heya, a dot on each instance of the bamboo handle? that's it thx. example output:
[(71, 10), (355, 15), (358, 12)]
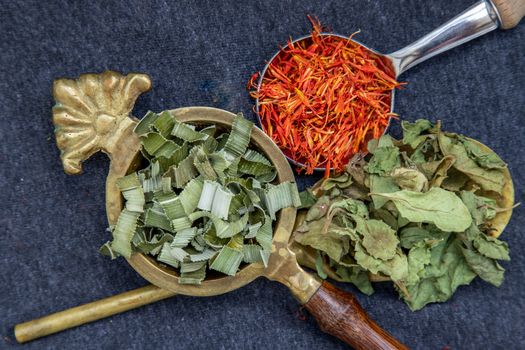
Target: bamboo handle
[(90, 312), (339, 314), (510, 11)]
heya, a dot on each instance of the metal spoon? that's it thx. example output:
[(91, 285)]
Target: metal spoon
[(481, 18)]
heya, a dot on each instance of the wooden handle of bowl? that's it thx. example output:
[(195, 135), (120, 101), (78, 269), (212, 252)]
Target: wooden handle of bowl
[(90, 312), (339, 314), (510, 11)]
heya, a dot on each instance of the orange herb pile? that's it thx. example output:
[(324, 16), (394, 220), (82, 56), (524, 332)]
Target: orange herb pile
[(323, 98)]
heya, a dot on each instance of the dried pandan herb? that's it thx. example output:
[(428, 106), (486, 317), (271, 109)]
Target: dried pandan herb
[(204, 200), (415, 211)]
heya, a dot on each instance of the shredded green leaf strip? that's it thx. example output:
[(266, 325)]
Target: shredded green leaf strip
[(132, 192), (281, 196), (239, 138), (193, 277), (252, 253), (200, 197), (228, 261), (166, 256), (187, 133), (123, 233)]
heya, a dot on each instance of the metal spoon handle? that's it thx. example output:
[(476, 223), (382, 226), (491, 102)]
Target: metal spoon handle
[(477, 20), (90, 312)]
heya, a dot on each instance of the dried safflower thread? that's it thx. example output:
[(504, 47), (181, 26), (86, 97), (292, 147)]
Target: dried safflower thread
[(322, 99)]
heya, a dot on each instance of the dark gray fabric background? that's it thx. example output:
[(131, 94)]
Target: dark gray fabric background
[(203, 53)]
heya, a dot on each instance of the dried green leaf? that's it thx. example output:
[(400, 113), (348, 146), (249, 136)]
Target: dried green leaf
[(486, 268), (409, 179), (319, 266), (485, 157), (411, 236), (492, 247), (379, 239), (384, 160), (488, 179), (440, 207), (412, 132), (381, 184)]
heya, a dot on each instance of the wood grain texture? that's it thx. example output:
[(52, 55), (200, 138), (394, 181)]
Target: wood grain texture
[(510, 11), (339, 314)]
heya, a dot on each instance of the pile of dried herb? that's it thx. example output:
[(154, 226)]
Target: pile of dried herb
[(323, 98), (415, 211), (204, 200)]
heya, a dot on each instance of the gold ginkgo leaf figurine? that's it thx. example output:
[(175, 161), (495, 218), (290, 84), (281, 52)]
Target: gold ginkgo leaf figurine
[(89, 110)]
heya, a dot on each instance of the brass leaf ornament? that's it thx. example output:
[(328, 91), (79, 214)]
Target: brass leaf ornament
[(90, 110)]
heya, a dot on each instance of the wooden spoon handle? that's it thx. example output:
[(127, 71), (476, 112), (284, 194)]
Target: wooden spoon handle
[(339, 314), (510, 11), (90, 312)]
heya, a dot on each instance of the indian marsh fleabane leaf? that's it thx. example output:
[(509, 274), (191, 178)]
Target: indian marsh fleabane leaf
[(417, 212)]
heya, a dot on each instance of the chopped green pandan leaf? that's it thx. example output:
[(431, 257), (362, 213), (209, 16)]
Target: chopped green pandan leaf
[(227, 261), (154, 245), (171, 204), (198, 199), (151, 179), (210, 131), (184, 237), (165, 184), (132, 191), (192, 266), (264, 234), (106, 250), (254, 168), (172, 161), (123, 233), (203, 164), (193, 277), (223, 229), (239, 137), (184, 171), (204, 255), (191, 194), (281, 196), (216, 199), (198, 242), (166, 257), (153, 142), (145, 124), (256, 157), (212, 240), (221, 203), (207, 194), (187, 133), (174, 210), (253, 230), (163, 124), (155, 217), (252, 253)]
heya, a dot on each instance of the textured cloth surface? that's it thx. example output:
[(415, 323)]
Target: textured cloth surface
[(203, 53)]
